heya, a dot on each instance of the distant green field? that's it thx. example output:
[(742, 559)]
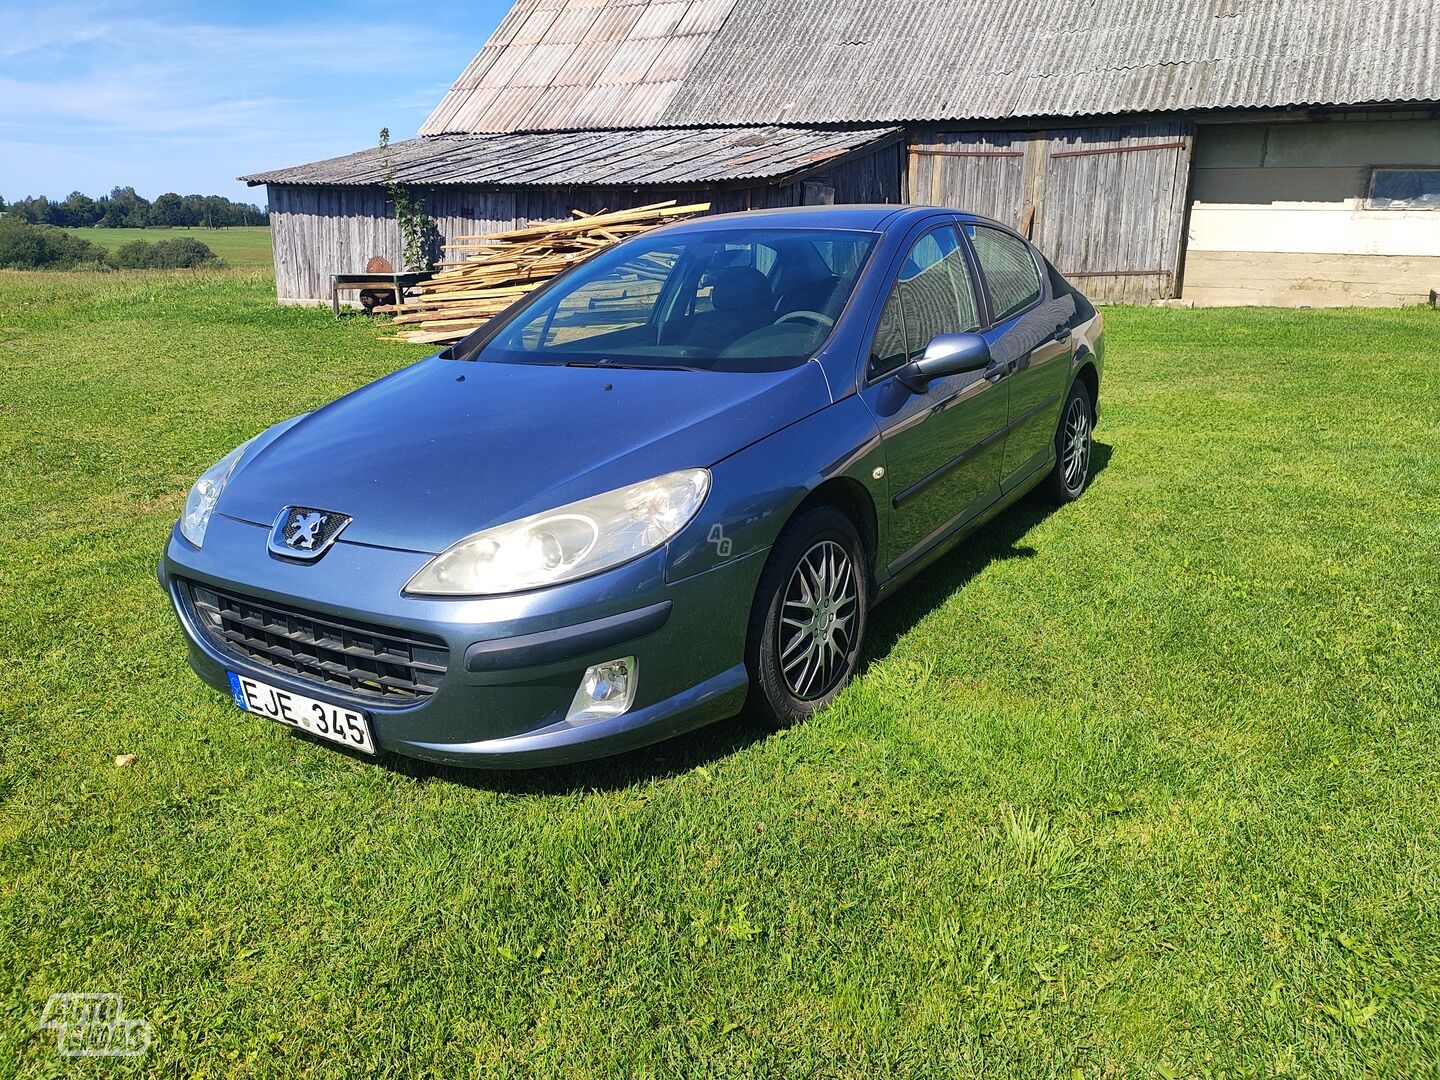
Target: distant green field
[(243, 247)]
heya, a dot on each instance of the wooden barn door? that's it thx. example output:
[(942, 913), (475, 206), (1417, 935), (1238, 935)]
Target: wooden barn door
[(1111, 208), (979, 171), (1107, 205)]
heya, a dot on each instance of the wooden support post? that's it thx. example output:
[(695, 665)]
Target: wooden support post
[(1036, 153)]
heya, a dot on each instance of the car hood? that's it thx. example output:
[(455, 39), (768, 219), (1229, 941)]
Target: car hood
[(444, 448)]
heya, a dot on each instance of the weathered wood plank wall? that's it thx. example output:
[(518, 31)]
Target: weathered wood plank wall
[(319, 231), (1111, 210), (1106, 204), (982, 172)]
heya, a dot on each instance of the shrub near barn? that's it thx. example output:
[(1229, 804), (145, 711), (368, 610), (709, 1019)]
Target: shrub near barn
[(176, 253), (31, 247)]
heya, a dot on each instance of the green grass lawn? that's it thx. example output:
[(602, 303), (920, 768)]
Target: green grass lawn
[(242, 247), (1145, 786)]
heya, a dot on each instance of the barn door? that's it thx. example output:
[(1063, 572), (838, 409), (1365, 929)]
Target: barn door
[(979, 171), (1111, 208), (1107, 205)]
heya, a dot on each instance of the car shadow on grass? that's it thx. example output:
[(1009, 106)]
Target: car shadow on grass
[(673, 757), (996, 541)]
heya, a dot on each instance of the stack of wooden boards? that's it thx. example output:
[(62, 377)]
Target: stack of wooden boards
[(462, 294)]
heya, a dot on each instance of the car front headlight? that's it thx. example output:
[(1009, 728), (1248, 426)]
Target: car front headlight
[(200, 504), (568, 542)]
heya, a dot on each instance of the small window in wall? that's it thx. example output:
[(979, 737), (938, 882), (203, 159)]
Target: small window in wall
[(1402, 188)]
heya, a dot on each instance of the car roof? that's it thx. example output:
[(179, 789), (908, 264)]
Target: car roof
[(867, 217)]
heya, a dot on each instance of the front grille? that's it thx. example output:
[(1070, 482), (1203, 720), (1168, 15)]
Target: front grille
[(370, 661)]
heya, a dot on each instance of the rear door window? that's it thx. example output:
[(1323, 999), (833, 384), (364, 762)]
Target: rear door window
[(1009, 270)]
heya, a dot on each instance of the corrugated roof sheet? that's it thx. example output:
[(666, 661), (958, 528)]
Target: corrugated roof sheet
[(669, 156), (866, 61), (627, 56)]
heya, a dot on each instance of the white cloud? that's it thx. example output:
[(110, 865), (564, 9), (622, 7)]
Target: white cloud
[(128, 89), (139, 74)]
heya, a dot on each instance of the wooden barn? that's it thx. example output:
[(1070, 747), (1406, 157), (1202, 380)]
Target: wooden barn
[(1233, 151)]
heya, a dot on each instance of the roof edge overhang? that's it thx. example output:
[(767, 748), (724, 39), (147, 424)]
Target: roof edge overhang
[(885, 131), (742, 155), (1190, 109)]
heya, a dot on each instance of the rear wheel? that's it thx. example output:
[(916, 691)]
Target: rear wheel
[(1073, 443), (808, 621)]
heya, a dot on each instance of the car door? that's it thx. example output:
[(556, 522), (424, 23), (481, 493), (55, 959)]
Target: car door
[(1030, 333), (943, 447)]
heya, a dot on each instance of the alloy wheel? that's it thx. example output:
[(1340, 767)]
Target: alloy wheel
[(1075, 457), (817, 621)]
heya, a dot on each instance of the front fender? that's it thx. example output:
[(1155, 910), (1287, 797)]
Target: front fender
[(754, 492)]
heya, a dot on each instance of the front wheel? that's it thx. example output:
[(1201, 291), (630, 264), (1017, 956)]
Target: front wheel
[(1073, 443), (809, 618)]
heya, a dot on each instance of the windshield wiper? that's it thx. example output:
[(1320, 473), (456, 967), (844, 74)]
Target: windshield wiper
[(613, 365)]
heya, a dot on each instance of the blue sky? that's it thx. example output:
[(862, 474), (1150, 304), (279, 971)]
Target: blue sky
[(186, 97)]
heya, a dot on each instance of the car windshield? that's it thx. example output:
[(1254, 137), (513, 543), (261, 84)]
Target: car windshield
[(745, 299)]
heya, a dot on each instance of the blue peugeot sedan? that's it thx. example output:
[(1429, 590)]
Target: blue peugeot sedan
[(671, 480)]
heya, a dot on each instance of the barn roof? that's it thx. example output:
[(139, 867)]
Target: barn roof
[(569, 64), (684, 156)]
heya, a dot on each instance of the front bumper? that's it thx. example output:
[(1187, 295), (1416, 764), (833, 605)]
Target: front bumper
[(514, 661)]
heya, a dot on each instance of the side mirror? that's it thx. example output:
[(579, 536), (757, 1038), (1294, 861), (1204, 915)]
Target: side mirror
[(947, 354)]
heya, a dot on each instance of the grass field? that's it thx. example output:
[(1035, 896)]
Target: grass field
[(1147, 786), (242, 247)]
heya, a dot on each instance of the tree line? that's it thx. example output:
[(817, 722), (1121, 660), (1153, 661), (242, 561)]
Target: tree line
[(123, 208)]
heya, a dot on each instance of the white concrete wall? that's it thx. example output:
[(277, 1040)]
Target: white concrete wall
[(1286, 189)]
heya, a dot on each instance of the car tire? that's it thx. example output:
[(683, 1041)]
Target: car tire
[(807, 625), (1074, 455)]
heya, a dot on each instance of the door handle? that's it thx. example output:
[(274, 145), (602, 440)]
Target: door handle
[(1061, 333)]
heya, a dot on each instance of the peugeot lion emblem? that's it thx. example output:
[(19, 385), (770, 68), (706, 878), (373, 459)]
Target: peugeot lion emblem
[(306, 530), (303, 532)]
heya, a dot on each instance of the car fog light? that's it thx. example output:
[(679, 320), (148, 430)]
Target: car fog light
[(607, 689), (207, 604)]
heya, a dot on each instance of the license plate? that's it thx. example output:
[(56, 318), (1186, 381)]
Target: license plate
[(332, 722)]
